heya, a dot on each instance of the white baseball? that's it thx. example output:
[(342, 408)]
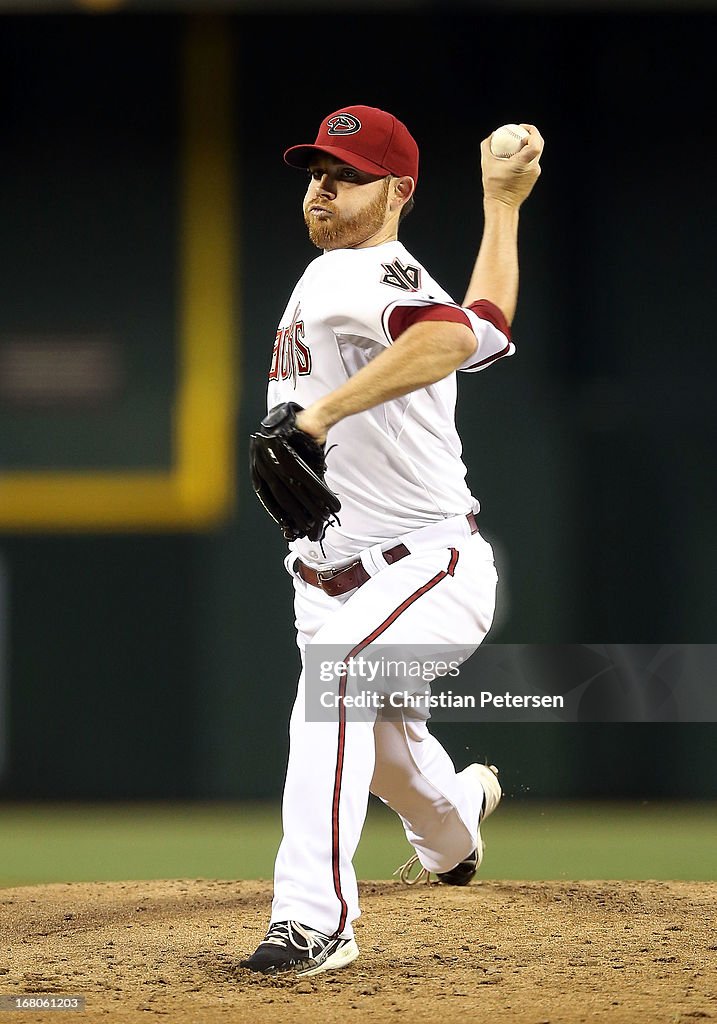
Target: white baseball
[(506, 141)]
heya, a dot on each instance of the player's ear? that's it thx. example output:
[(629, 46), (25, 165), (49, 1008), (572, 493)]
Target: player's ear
[(404, 187)]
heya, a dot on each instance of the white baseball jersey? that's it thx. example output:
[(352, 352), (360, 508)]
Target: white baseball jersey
[(396, 467)]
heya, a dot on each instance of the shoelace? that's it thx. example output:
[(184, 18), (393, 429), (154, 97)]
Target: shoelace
[(284, 932), (404, 872), (278, 935)]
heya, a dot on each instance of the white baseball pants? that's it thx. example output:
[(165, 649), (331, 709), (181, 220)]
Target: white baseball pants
[(443, 592)]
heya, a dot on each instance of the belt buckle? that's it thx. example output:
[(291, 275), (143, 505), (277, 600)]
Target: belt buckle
[(326, 575)]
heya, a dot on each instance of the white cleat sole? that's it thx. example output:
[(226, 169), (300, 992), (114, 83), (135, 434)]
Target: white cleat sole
[(487, 776), (341, 958)]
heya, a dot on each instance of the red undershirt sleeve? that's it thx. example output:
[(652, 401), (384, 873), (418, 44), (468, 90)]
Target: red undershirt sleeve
[(487, 310), (403, 317)]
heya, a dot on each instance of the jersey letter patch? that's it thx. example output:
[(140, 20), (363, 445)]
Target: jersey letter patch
[(408, 278), (291, 357)]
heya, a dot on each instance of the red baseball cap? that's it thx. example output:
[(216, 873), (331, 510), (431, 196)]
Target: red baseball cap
[(369, 139)]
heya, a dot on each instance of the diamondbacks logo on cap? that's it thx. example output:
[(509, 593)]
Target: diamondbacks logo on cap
[(344, 124)]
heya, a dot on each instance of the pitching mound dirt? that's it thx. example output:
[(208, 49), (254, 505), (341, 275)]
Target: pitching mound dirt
[(521, 952)]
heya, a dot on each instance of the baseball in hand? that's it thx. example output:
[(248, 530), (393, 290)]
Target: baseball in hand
[(506, 141)]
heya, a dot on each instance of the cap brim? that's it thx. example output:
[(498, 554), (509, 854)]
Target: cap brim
[(301, 156)]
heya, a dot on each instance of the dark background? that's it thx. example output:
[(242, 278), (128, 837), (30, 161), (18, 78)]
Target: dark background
[(163, 665)]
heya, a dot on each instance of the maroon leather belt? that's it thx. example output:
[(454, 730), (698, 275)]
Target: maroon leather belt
[(336, 582)]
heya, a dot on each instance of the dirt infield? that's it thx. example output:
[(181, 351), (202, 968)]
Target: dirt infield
[(521, 952)]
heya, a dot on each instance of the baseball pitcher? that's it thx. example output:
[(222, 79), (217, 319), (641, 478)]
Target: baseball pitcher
[(359, 462)]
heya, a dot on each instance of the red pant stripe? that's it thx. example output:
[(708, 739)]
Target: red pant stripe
[(338, 774)]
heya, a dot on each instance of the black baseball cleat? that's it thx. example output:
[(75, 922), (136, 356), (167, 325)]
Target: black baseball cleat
[(463, 873), (290, 946)]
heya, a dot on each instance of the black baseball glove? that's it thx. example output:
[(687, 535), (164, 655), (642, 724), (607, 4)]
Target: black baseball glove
[(287, 472)]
